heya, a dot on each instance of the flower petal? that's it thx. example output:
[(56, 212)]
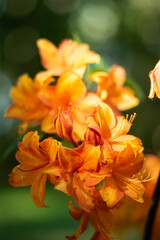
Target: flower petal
[(155, 81), (82, 227), (38, 190), (131, 187), (106, 119), (69, 159), (111, 193)]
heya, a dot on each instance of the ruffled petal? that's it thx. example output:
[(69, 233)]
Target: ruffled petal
[(122, 127), (132, 187), (38, 190), (111, 193), (155, 81), (106, 119), (47, 125), (19, 178), (82, 227), (129, 161), (48, 53), (69, 159), (70, 88)]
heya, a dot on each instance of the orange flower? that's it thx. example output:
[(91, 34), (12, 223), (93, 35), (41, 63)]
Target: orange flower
[(71, 95), (26, 107), (100, 218), (155, 81), (64, 126), (132, 213), (69, 56), (77, 164), (111, 89), (121, 155), (122, 179), (110, 130), (35, 159), (93, 170)]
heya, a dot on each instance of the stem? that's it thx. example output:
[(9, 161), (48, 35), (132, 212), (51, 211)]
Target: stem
[(152, 211)]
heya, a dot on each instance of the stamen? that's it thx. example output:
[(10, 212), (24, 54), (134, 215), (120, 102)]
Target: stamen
[(132, 117)]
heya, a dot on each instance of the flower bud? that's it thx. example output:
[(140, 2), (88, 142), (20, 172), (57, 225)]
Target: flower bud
[(64, 125)]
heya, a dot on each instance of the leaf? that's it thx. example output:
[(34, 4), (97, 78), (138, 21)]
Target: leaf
[(136, 87)]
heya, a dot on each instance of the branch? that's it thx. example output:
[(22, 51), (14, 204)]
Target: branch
[(152, 212)]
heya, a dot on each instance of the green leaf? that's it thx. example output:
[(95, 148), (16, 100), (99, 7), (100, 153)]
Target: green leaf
[(136, 88)]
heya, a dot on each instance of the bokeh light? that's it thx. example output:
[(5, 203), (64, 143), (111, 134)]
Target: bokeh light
[(150, 32), (20, 45), (62, 6), (19, 8), (96, 22)]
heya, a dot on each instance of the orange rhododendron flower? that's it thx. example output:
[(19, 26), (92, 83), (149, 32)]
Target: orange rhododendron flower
[(100, 218), (27, 107), (110, 130), (131, 212), (108, 164), (35, 159), (71, 95), (76, 165), (121, 155), (111, 89), (69, 56), (122, 179), (114, 172), (155, 81)]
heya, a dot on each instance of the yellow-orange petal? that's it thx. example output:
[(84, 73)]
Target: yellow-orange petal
[(75, 212), (64, 125), (91, 159), (25, 86), (69, 159), (15, 111), (125, 99), (82, 227), (118, 75), (120, 142), (111, 193), (47, 124), (70, 88), (154, 76), (31, 140), (45, 77), (28, 161), (38, 190), (62, 186), (19, 178), (132, 187), (106, 119), (48, 52), (122, 127), (84, 197), (49, 146), (129, 161), (99, 77)]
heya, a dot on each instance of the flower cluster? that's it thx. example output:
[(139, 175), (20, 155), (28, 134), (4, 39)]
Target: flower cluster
[(104, 165)]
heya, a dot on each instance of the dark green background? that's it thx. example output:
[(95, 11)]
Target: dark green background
[(125, 32)]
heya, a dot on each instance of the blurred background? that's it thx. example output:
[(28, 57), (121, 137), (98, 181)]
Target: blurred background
[(125, 33)]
